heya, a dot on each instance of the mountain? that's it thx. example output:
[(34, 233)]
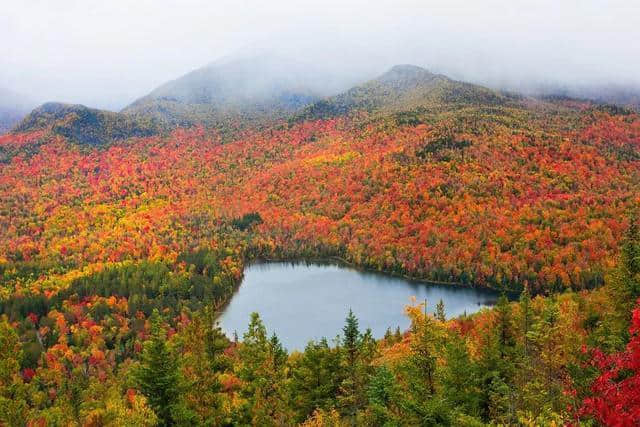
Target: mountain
[(235, 91), (254, 87), (13, 107), (627, 96), (86, 125), (402, 88), (145, 241)]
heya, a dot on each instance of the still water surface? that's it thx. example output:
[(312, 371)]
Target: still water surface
[(301, 301)]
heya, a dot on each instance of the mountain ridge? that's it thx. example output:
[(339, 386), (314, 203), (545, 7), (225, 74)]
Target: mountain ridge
[(401, 88), (86, 125), (225, 95), (254, 88)]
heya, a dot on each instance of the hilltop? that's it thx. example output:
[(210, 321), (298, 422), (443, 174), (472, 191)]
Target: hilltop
[(248, 88), (402, 88), (258, 90), (86, 125)]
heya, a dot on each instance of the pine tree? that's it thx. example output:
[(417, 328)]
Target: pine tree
[(315, 379), (504, 326), (422, 400), (497, 364), (624, 283), (526, 318), (383, 396), (157, 376), (388, 336), (350, 388), (423, 352), (460, 380), (203, 361), (398, 334), (539, 377), (351, 337), (215, 340), (254, 347), (263, 372), (440, 313)]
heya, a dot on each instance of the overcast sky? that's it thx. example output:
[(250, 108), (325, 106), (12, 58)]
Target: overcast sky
[(107, 53)]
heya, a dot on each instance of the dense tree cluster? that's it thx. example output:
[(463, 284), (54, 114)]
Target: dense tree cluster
[(509, 199), (115, 260), (527, 363)]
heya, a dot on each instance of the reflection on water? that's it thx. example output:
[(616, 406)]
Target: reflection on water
[(301, 301)]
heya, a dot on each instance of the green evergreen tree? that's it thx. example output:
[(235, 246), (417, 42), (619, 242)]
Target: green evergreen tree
[(278, 352), (315, 379), (624, 283), (460, 379), (526, 319), (263, 372), (216, 342), (423, 403), (157, 376), (440, 313), (424, 352), (398, 334), (383, 395), (350, 390), (498, 364), (504, 326), (388, 336), (203, 361), (538, 380), (254, 349)]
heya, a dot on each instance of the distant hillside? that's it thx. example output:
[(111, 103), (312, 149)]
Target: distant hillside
[(402, 88), (622, 96), (627, 96), (86, 125), (261, 87), (13, 107)]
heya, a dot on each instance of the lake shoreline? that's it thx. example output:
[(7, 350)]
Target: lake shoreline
[(315, 295), (341, 261)]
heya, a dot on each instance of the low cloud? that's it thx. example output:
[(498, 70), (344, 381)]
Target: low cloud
[(106, 54)]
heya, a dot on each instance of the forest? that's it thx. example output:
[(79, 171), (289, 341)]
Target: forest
[(116, 258)]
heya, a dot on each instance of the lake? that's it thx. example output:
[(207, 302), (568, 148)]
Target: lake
[(302, 301)]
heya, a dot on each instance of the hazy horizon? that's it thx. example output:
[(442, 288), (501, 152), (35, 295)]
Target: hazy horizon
[(108, 55)]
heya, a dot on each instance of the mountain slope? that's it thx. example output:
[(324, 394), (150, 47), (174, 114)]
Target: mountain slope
[(403, 88), (86, 125), (260, 87)]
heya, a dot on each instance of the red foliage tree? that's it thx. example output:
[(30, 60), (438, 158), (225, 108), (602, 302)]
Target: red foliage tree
[(616, 392)]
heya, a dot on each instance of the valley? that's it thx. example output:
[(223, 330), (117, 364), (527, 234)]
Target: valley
[(125, 237)]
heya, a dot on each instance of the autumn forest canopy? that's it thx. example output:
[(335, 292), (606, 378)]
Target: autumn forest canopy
[(123, 235)]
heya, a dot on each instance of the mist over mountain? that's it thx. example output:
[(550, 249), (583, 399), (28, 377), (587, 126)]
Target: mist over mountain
[(258, 89), (263, 86), (13, 107), (107, 55), (614, 93)]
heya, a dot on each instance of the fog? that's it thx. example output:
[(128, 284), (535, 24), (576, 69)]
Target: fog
[(106, 54)]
